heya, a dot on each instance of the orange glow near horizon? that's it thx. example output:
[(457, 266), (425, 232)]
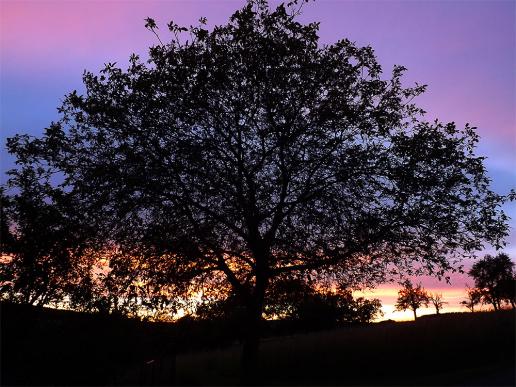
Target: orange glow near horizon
[(389, 293), (386, 293)]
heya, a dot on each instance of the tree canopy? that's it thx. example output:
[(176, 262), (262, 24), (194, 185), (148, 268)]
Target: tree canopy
[(495, 278), (40, 244), (252, 153), (474, 297), (413, 298), (437, 301)]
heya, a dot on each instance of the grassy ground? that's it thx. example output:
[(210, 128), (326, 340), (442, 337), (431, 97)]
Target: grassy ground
[(46, 347), (451, 349)]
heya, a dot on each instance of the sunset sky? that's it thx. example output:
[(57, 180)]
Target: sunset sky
[(464, 50)]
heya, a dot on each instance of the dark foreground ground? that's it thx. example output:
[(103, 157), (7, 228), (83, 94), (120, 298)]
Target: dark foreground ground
[(452, 349), (48, 347)]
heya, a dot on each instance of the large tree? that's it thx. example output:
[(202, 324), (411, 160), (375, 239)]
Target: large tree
[(251, 153)]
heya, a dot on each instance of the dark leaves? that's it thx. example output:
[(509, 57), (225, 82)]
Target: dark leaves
[(150, 23)]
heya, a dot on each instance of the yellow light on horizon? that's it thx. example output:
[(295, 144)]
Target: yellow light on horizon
[(389, 293)]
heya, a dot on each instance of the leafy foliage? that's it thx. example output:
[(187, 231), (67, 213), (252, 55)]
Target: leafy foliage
[(496, 278), (297, 301), (316, 305), (331, 309), (50, 257), (40, 243), (474, 298)]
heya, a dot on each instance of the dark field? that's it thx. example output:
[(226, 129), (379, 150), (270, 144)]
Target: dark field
[(452, 349), (46, 347)]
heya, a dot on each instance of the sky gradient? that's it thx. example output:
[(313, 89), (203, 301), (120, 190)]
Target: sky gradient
[(464, 50)]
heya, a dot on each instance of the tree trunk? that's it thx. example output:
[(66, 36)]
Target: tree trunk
[(253, 329), (250, 349), (415, 316)]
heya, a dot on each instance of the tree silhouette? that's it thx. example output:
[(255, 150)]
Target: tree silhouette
[(474, 298), (297, 301), (330, 309), (508, 290), (410, 297), (40, 244), (437, 301), (248, 153), (319, 307), (495, 277), (7, 240)]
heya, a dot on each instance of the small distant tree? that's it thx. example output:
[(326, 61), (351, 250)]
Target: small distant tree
[(366, 310), (494, 275), (437, 301), (410, 297), (474, 297)]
